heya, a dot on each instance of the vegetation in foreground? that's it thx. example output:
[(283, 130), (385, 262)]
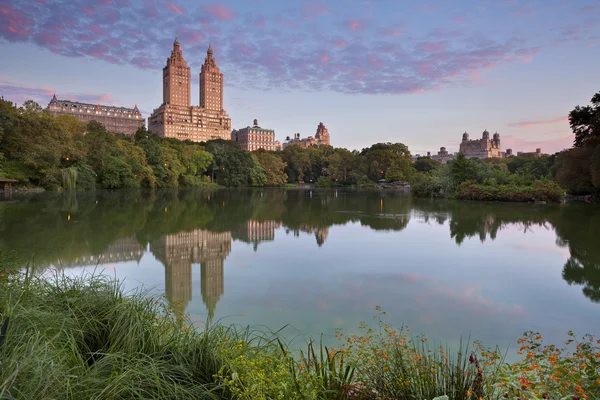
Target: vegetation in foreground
[(40, 150), (76, 338)]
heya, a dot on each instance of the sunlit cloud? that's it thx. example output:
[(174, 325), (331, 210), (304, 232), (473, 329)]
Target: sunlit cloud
[(528, 124), (19, 93)]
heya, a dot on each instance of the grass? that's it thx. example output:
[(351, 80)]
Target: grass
[(85, 338)]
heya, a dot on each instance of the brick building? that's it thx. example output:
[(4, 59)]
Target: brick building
[(115, 119), (321, 138), (176, 117), (254, 137), (481, 148)]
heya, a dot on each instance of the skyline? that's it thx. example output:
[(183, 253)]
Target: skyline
[(397, 71)]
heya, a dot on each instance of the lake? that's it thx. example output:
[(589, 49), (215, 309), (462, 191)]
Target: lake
[(313, 261)]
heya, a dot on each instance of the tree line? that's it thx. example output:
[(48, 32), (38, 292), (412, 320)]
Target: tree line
[(41, 150)]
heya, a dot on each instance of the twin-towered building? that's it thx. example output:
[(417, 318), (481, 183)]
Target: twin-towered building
[(481, 148), (176, 117)]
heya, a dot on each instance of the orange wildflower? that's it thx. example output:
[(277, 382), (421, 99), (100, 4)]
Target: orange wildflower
[(468, 393)]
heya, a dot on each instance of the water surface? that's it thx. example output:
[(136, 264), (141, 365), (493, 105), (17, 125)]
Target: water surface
[(321, 260)]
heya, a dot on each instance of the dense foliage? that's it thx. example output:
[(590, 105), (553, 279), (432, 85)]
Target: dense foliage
[(76, 338)]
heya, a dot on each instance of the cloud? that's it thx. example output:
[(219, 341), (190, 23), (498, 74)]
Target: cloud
[(175, 8), (315, 8), (220, 11), (19, 93), (550, 146), (278, 48), (528, 124)]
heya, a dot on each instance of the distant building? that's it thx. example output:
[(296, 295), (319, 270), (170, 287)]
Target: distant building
[(442, 156), (537, 153), (115, 119), (481, 148), (176, 117), (321, 138), (254, 137)]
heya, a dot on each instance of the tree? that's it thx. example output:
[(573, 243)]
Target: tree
[(426, 164), (585, 123), (274, 168), (381, 156), (298, 163), (116, 173), (463, 169), (136, 158)]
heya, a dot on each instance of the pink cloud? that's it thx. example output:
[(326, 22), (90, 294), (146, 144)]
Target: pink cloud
[(528, 124), (88, 11), (548, 146), (315, 8), (97, 30), (142, 62), (260, 22), (220, 11), (175, 8), (392, 32), (340, 43), (355, 25), (433, 47), (324, 58)]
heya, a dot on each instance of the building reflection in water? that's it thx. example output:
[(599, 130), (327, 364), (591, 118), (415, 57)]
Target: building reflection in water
[(320, 233), (255, 231), (179, 251), (122, 250)]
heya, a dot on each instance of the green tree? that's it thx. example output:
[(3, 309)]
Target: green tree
[(297, 161), (136, 158), (381, 156), (426, 164), (273, 166), (116, 173), (585, 123)]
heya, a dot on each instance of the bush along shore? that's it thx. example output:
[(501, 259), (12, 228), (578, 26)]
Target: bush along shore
[(84, 338)]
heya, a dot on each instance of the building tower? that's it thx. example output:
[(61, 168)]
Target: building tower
[(176, 78), (322, 135), (211, 84)]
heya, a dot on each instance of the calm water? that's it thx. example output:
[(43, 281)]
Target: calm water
[(321, 260)]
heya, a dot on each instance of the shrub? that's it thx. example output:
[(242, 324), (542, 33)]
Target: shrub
[(538, 191), (324, 181)]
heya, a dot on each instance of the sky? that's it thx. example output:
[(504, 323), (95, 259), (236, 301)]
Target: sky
[(416, 72)]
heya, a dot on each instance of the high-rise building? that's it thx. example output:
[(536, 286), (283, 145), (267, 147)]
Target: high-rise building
[(115, 119), (176, 117)]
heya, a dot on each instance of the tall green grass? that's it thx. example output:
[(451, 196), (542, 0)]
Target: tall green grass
[(83, 338)]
